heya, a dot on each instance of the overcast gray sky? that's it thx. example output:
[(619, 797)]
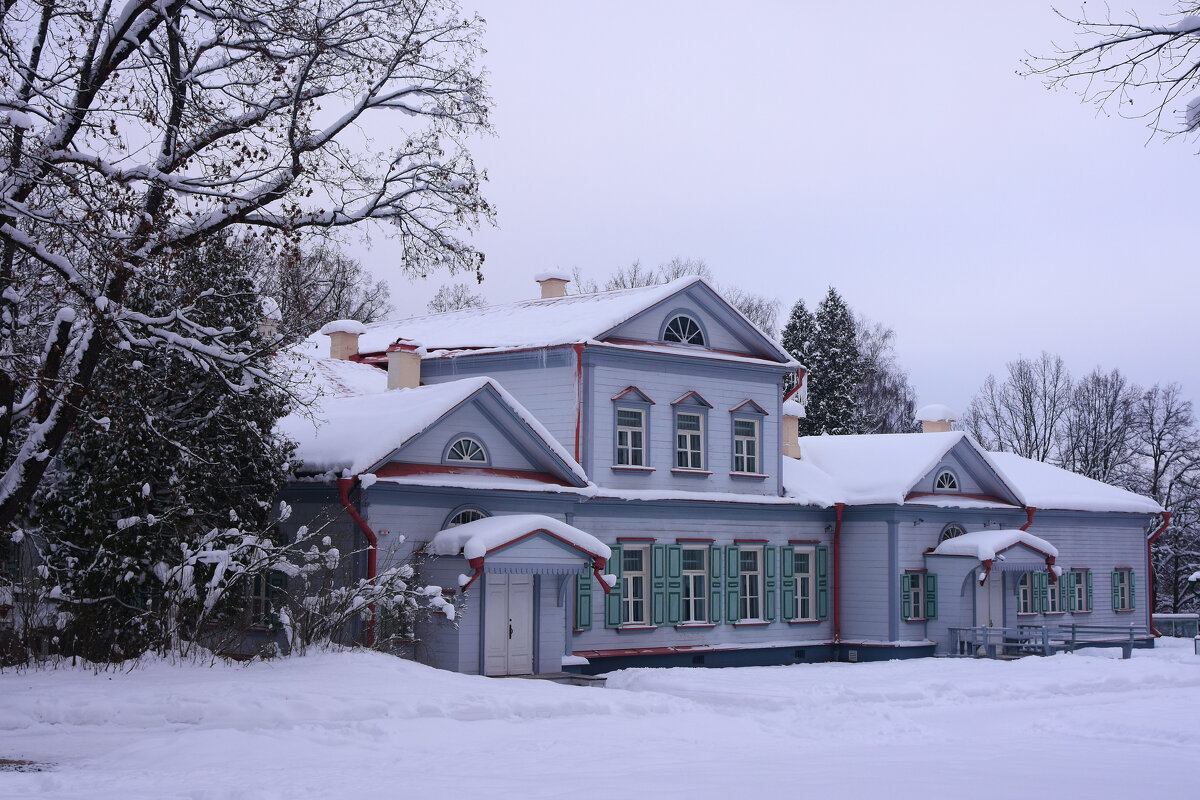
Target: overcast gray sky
[(887, 149)]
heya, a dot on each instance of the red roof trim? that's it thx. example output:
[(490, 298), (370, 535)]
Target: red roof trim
[(645, 397), (985, 497), (749, 402), (698, 396), (395, 469)]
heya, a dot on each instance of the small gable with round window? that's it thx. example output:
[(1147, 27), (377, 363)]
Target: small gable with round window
[(684, 329), (946, 481)]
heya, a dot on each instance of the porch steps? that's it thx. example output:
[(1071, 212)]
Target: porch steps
[(566, 678)]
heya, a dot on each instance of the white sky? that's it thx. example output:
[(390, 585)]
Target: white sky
[(890, 151)]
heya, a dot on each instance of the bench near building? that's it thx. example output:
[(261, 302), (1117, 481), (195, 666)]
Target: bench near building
[(615, 479)]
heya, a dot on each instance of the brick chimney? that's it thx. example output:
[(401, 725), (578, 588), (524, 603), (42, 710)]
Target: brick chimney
[(553, 283), (935, 418), (343, 338), (404, 364)]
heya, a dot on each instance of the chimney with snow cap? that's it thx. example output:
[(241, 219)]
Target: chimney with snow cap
[(343, 337), (404, 364), (935, 418), (553, 282)]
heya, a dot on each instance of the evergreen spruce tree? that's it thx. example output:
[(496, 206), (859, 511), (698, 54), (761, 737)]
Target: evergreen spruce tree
[(836, 370), (798, 336), (168, 455)]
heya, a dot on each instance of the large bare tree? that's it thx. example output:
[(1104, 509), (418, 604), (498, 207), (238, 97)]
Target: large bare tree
[(132, 130), (1022, 414)]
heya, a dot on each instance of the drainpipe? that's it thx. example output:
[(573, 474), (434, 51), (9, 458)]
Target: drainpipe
[(1029, 511), (837, 575), (1166, 520), (578, 396), (344, 486), (597, 570)]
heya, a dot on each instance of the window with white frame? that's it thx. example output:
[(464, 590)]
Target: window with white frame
[(683, 329), (946, 481), (804, 560), (631, 437), (695, 584), (750, 583), (745, 445), (689, 440), (1079, 587), (1053, 595), (1025, 590), (465, 516), (467, 449), (1122, 586), (915, 595), (634, 608), (951, 531)]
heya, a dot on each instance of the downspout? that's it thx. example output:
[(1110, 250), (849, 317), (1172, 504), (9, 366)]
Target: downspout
[(578, 396), (344, 486), (1166, 516), (837, 575), (1029, 511), (597, 570)]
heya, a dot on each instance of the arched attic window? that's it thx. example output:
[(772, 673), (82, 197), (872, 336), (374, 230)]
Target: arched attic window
[(951, 531), (946, 481), (466, 450), (463, 516), (683, 329)]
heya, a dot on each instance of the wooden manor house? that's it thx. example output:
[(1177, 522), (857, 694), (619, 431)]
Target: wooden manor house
[(616, 479)]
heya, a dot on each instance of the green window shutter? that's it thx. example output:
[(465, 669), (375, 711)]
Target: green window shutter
[(1066, 591), (1132, 590), (674, 584), (822, 582), (787, 577), (658, 584), (906, 596), (930, 596), (1044, 591), (733, 574), (583, 602), (612, 600), (1035, 592), (770, 583), (1089, 590), (716, 586), (1116, 590)]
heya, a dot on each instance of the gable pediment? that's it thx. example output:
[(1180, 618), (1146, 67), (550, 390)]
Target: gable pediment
[(970, 474)]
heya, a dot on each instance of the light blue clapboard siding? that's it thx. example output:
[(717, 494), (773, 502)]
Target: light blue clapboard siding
[(468, 419), (865, 599), (664, 383), (956, 580), (648, 326)]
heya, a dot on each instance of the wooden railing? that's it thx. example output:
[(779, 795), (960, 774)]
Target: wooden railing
[(1041, 639)]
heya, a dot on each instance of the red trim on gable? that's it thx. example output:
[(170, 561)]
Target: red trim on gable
[(750, 541), (682, 540), (985, 497), (749, 402), (698, 396), (600, 561), (396, 469), (804, 541), (629, 389), (691, 348), (636, 539)]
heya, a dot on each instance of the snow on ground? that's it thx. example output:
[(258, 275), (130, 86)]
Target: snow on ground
[(356, 725)]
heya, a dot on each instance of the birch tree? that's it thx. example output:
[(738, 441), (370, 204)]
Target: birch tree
[(131, 131)]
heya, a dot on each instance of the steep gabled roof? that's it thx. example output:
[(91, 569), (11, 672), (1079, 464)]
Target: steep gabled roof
[(353, 434), (1046, 486), (541, 322)]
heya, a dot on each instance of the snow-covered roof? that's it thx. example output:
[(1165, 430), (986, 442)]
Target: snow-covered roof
[(877, 468), (806, 483), (1045, 486), (984, 545), (314, 376), (343, 326), (476, 539), (351, 434), (543, 322), (935, 412)]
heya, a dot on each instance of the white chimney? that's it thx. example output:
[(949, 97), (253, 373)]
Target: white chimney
[(793, 411), (553, 283), (935, 418), (404, 364), (343, 337)]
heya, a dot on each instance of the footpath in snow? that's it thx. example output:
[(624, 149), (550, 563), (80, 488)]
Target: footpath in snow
[(357, 725)]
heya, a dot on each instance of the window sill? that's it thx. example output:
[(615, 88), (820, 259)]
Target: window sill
[(750, 623), (1082, 612), (1124, 610), (683, 626), (1054, 613), (1026, 614), (917, 619), (698, 473), (624, 468), (804, 622), (752, 476), (636, 628)]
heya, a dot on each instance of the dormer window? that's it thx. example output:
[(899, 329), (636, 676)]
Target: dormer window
[(467, 450), (951, 531), (684, 330), (946, 481)]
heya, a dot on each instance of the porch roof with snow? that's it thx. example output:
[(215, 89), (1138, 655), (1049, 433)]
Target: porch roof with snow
[(549, 322), (987, 545), (475, 540)]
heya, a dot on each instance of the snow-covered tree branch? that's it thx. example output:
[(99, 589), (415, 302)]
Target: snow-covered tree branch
[(132, 131)]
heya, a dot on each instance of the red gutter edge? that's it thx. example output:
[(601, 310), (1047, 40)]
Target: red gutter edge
[(837, 575), (344, 487), (1029, 511), (1166, 517), (800, 373), (578, 395)]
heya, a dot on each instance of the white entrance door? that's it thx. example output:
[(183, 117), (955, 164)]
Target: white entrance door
[(508, 625), (989, 602)]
